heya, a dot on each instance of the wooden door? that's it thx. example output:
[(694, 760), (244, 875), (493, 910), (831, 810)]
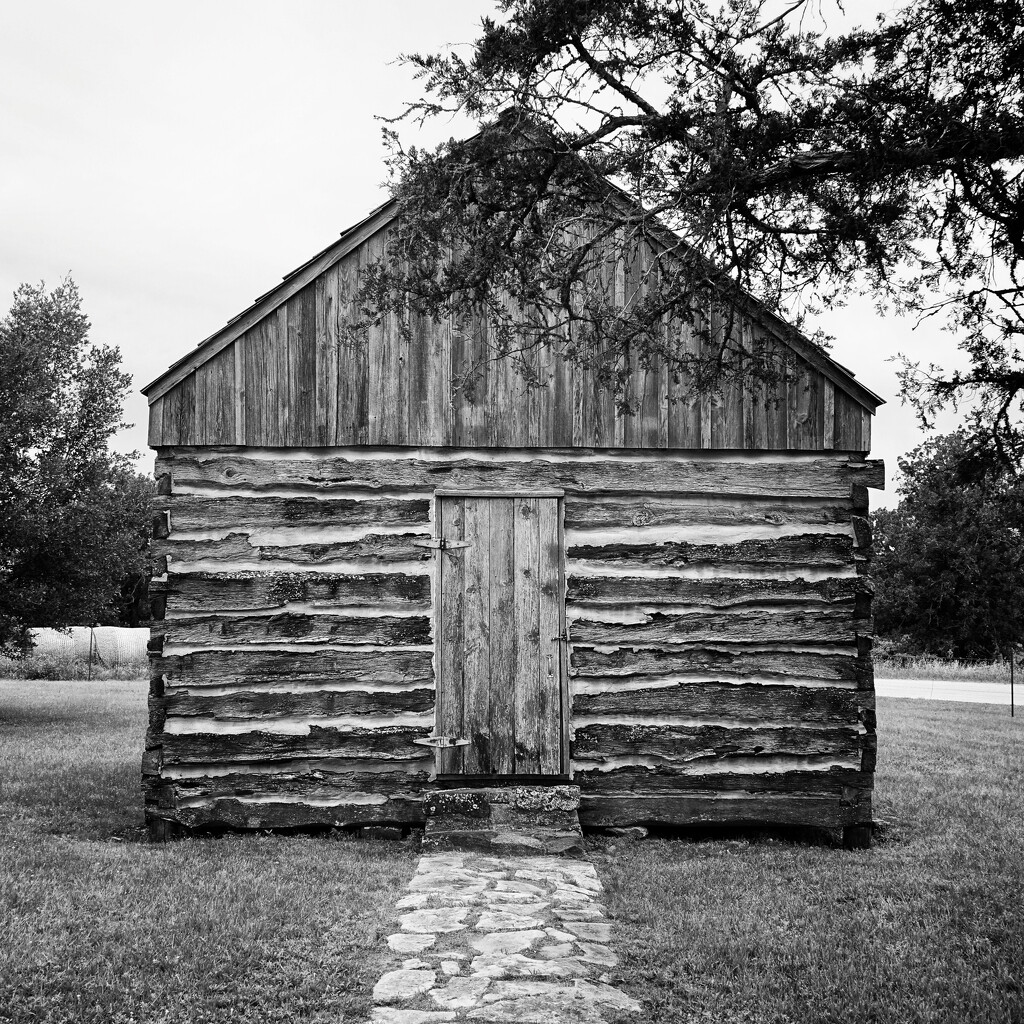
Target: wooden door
[(500, 659)]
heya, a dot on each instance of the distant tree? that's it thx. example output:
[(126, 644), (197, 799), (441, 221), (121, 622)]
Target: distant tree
[(792, 161), (73, 514), (949, 559)]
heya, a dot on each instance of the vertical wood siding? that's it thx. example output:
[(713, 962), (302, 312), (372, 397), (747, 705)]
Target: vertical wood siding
[(298, 379), (717, 608)]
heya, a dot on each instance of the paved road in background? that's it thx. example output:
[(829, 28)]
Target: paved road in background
[(943, 689)]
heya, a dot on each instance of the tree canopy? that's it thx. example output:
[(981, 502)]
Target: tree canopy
[(949, 559), (755, 149), (73, 515)]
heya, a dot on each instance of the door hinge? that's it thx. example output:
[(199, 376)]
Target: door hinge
[(440, 543), (441, 741)]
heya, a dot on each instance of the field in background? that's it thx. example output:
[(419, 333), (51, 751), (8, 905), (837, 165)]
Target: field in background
[(98, 926), (926, 667), (55, 667)]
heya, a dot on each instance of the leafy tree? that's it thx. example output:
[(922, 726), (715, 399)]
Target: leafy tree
[(73, 515), (949, 559), (789, 160)]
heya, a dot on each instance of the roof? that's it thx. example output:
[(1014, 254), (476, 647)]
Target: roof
[(379, 218)]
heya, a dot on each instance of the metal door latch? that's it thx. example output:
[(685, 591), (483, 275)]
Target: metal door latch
[(440, 543), (441, 741), (563, 636)]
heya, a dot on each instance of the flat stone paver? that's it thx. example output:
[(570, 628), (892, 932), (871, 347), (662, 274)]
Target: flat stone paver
[(501, 937)]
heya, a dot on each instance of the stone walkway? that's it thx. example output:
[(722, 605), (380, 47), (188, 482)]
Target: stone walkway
[(501, 938)]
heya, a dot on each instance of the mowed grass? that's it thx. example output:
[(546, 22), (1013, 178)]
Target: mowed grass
[(97, 925), (927, 926)]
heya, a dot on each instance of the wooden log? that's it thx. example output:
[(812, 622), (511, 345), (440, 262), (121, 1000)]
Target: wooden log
[(205, 512), (157, 713), (289, 669), (309, 784), (252, 590), (700, 743), (862, 533), (289, 627), (716, 593), (161, 525), (845, 784), (799, 626), (253, 705), (696, 809), (857, 836), (823, 478), (745, 702), (645, 510), (385, 547), (393, 743), (735, 660), (228, 813), (813, 549), (162, 830)]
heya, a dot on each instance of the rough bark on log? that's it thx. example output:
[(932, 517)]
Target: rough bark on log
[(813, 549), (383, 548), (289, 627), (237, 814), (812, 626), (846, 784), (255, 590), (296, 668), (312, 784), (715, 593), (205, 512), (768, 476), (760, 809), (746, 702), (643, 511), (735, 660), (690, 744), (248, 705), (386, 744)]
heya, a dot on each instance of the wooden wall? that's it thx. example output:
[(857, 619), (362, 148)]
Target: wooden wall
[(718, 613), (296, 379)]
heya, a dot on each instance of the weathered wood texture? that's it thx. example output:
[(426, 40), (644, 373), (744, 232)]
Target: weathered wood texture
[(586, 472), (501, 683), (717, 610), (296, 378)]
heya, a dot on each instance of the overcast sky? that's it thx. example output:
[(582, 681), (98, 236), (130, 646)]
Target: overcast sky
[(179, 159)]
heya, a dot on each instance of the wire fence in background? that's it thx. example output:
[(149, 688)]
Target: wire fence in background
[(102, 645)]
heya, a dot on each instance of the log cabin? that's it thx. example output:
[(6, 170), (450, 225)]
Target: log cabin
[(372, 584)]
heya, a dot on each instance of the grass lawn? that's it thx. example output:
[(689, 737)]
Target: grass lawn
[(927, 926), (96, 925)]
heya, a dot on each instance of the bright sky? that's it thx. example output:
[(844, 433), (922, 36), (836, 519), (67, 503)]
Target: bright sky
[(179, 160)]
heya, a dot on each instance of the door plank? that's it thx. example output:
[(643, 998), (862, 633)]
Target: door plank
[(477, 634), (526, 623), (501, 717), (549, 579), (449, 696)]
